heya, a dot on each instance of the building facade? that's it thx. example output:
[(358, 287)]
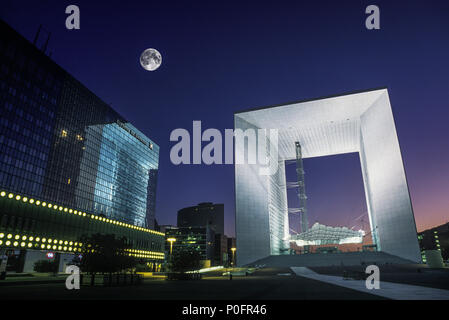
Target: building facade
[(435, 239), (200, 239), (204, 214), (63, 146), (220, 250)]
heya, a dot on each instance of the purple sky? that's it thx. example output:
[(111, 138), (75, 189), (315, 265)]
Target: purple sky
[(224, 56)]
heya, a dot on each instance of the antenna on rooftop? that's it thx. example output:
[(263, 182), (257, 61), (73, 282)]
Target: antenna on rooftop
[(36, 39), (37, 34), (44, 48)]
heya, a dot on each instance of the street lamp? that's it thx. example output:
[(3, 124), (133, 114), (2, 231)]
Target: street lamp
[(171, 240), (233, 255)]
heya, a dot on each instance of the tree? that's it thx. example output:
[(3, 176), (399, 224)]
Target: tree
[(105, 254), (186, 260)]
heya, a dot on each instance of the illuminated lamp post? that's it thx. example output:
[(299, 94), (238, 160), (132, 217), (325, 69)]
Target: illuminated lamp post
[(233, 256), (171, 240)]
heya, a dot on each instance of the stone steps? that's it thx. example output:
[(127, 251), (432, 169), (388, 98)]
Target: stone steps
[(330, 259)]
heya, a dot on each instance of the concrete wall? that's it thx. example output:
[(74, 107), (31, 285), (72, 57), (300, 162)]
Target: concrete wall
[(388, 198), (33, 255), (252, 215)]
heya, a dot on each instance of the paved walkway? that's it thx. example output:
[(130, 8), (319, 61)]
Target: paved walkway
[(266, 286), (390, 290)]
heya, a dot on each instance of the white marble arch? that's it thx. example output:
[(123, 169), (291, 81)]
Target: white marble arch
[(358, 122)]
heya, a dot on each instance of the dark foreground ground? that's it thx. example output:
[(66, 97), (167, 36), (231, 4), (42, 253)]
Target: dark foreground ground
[(418, 275), (267, 284)]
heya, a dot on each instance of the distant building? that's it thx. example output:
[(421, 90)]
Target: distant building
[(204, 214), (220, 250), (163, 228), (200, 239), (436, 238)]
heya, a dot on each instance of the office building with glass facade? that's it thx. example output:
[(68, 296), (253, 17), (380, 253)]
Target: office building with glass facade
[(436, 238), (62, 145), (204, 214), (200, 239)]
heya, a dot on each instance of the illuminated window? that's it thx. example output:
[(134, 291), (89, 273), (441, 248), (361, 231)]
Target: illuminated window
[(64, 133)]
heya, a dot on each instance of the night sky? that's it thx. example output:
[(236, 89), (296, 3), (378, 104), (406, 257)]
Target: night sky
[(225, 56)]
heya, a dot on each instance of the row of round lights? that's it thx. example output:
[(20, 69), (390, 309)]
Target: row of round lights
[(39, 243), (146, 252), (80, 213), (145, 256), (61, 245)]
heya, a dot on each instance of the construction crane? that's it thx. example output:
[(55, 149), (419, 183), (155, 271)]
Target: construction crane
[(301, 189)]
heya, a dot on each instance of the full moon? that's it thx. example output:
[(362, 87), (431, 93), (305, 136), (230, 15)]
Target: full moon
[(150, 59)]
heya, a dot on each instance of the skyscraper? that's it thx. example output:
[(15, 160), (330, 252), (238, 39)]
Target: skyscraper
[(62, 143), (70, 165), (202, 215)]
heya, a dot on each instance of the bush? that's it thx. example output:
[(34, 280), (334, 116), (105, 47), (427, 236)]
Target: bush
[(186, 260), (45, 266), (104, 253), (143, 268)]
